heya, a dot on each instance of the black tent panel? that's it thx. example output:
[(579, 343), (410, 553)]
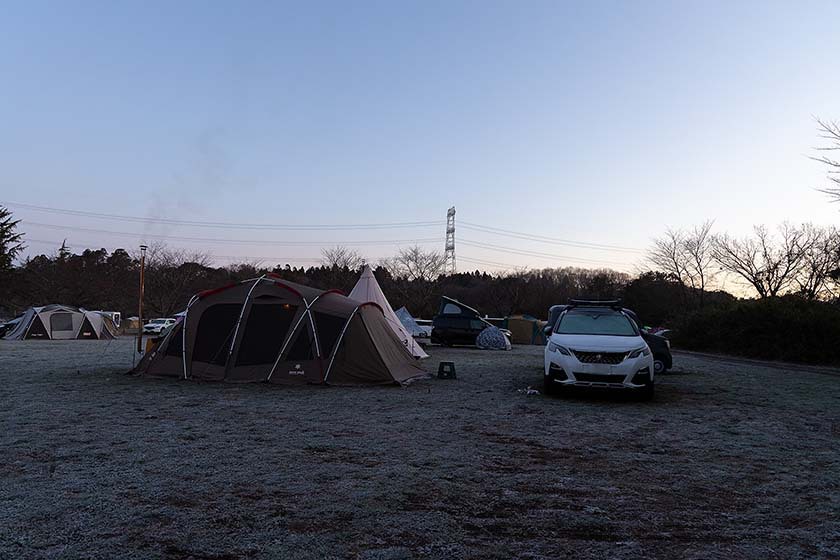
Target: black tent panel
[(37, 329), (303, 348), (265, 331), (329, 328), (87, 332), (215, 333), (175, 346)]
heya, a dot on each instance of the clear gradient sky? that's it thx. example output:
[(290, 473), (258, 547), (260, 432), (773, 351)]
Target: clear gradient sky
[(603, 122)]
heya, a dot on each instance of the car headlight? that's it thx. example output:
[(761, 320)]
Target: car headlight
[(644, 351), (552, 347)]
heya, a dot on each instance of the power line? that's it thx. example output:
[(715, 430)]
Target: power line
[(489, 263), (546, 239), (483, 262), (135, 235), (319, 227), (223, 225), (525, 252)]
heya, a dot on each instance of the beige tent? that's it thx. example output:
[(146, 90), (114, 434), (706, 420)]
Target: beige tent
[(62, 322), (367, 290), (267, 329)]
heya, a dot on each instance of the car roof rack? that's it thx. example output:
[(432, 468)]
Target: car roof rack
[(611, 303)]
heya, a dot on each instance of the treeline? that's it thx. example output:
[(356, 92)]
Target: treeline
[(792, 272), (97, 279), (795, 275)]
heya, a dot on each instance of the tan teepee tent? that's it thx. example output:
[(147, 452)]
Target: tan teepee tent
[(367, 290)]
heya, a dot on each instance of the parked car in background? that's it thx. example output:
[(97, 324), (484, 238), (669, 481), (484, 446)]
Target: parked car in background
[(456, 323), (659, 345), (597, 344), (157, 326)]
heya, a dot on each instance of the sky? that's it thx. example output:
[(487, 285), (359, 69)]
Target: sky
[(596, 123)]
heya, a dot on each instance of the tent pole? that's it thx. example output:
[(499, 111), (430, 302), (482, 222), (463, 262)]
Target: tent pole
[(338, 343), (238, 323), (289, 336), (184, 334), (140, 301)]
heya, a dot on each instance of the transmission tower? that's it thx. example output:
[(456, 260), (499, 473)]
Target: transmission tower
[(449, 254)]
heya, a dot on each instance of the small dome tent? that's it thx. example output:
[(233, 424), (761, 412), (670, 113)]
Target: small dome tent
[(268, 329), (366, 290), (410, 325), (62, 322)]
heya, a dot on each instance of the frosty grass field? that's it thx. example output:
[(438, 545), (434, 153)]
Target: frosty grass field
[(731, 460)]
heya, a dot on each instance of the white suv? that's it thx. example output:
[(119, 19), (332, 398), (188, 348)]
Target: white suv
[(157, 326), (597, 345)]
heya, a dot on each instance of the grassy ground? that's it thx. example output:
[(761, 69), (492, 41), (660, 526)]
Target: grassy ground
[(731, 460)]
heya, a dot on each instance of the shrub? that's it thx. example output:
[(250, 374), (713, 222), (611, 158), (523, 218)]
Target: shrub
[(786, 329)]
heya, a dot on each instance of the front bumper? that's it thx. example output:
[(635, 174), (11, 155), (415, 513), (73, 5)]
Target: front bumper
[(633, 373)]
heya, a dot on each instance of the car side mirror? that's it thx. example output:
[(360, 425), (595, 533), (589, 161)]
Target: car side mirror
[(547, 330)]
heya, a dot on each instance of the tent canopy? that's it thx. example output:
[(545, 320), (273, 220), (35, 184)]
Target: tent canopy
[(366, 290), (62, 322), (268, 329), (409, 324)]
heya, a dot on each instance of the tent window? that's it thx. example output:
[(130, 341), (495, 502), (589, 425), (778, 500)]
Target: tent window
[(61, 322), (451, 309), (329, 328), (303, 348), (215, 333), (265, 332)]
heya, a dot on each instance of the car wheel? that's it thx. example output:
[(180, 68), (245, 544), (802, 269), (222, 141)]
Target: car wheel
[(647, 392), (658, 366)]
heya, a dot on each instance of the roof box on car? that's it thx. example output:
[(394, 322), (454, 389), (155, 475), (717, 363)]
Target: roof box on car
[(611, 303)]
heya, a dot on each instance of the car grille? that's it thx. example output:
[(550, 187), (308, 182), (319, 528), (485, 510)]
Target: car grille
[(595, 378), (600, 357)]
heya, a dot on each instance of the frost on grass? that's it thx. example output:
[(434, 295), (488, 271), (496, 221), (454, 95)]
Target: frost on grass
[(729, 461)]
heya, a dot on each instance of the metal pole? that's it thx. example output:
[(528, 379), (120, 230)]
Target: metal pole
[(140, 305)]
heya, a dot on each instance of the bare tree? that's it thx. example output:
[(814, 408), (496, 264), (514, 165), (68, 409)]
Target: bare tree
[(413, 263), (414, 273), (687, 256), (820, 263), (768, 264), (341, 257), (172, 276), (830, 131)]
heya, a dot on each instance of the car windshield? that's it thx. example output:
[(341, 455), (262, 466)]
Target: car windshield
[(595, 322)]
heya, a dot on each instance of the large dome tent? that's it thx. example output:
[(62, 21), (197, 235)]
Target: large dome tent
[(62, 322), (270, 330)]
